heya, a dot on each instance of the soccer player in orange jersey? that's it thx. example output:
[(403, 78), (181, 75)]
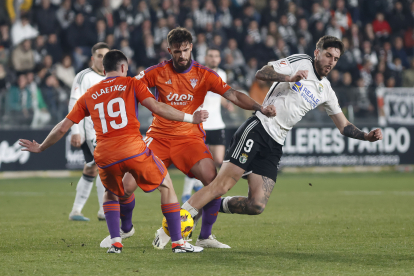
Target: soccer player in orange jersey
[(183, 83), (113, 107)]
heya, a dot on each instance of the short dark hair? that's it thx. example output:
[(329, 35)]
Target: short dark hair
[(328, 41), (99, 45), (179, 36), (212, 48), (112, 59)]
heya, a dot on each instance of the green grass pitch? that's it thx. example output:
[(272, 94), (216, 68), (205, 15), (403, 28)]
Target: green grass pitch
[(344, 224)]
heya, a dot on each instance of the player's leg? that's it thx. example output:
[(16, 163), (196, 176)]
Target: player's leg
[(100, 190), (112, 215), (83, 190), (260, 188), (187, 188)]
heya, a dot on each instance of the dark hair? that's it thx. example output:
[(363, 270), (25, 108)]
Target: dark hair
[(112, 59), (99, 45), (179, 36), (328, 41), (212, 49)]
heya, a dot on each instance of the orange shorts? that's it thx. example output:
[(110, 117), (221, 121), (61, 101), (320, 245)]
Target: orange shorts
[(183, 153), (147, 169)]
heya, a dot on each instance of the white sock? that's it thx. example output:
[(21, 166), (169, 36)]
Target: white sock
[(193, 211), (226, 204), (100, 189), (197, 183), (188, 185), (179, 241), (117, 239), (83, 190)]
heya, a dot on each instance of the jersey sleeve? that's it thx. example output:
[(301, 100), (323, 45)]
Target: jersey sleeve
[(79, 111), (141, 90), (282, 66), (332, 106), (216, 84), (148, 76)]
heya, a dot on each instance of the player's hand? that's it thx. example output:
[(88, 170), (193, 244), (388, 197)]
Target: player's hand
[(269, 111), (301, 74), (30, 146), (200, 116), (75, 140), (374, 135)]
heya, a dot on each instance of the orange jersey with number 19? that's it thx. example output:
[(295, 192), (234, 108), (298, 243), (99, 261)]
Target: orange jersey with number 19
[(113, 107), (184, 91)]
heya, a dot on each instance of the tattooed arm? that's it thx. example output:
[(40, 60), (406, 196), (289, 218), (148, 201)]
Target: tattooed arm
[(349, 130), (267, 73), (245, 102)]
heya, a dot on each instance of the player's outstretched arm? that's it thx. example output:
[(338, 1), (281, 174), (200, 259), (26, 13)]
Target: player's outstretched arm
[(170, 113), (55, 135), (245, 102), (267, 73), (349, 130)]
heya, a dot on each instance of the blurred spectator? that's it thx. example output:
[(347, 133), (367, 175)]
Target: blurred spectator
[(19, 102), (363, 106), (233, 50), (249, 48), (53, 47), (386, 52), (397, 71), (251, 68), (253, 31), (82, 6), (318, 31), (121, 32), (160, 31), (366, 73), (162, 52), (100, 31), (291, 15), (271, 30), (80, 34), (46, 18), (399, 51), (65, 15), (286, 31), (408, 76), (110, 40), (390, 82), (124, 47), (304, 47), (4, 56), (189, 25), (143, 13), (237, 31), (369, 34), (282, 50), (206, 15), (22, 30), (250, 14), (379, 80), (55, 98), (342, 16), (303, 31), (381, 27), (16, 8), (147, 56), (39, 50), (326, 11), (40, 114), (125, 13), (23, 57), (5, 40), (200, 48), (270, 14), (356, 36), (105, 13), (235, 76), (171, 22), (398, 19), (369, 54), (218, 43), (335, 79), (333, 28), (224, 15), (409, 41), (267, 52), (65, 71)]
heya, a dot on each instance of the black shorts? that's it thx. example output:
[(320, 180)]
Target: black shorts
[(253, 150), (87, 149), (216, 137)]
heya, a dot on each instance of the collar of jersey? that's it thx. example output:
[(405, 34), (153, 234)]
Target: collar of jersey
[(185, 71), (314, 70), (111, 77)]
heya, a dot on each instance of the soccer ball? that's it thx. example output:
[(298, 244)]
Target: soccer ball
[(187, 224)]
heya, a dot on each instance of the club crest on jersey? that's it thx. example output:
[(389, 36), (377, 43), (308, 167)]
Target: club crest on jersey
[(243, 158), (193, 82), (320, 87), (297, 86)]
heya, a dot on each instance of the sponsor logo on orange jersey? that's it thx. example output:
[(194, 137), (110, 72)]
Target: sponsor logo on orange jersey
[(177, 99)]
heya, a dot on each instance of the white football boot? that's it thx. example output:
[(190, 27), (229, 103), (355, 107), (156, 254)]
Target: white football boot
[(106, 243), (115, 248), (101, 216), (186, 247), (211, 242), (77, 216), (161, 239)]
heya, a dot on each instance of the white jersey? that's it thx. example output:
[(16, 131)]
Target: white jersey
[(294, 99), (212, 103), (82, 82)]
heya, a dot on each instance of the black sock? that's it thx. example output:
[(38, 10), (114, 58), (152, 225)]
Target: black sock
[(221, 206)]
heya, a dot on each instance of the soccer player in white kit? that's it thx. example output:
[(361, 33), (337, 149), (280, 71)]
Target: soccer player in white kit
[(83, 135), (214, 126), (300, 85)]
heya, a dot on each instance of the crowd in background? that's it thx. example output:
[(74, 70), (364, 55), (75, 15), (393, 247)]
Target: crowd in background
[(44, 43)]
